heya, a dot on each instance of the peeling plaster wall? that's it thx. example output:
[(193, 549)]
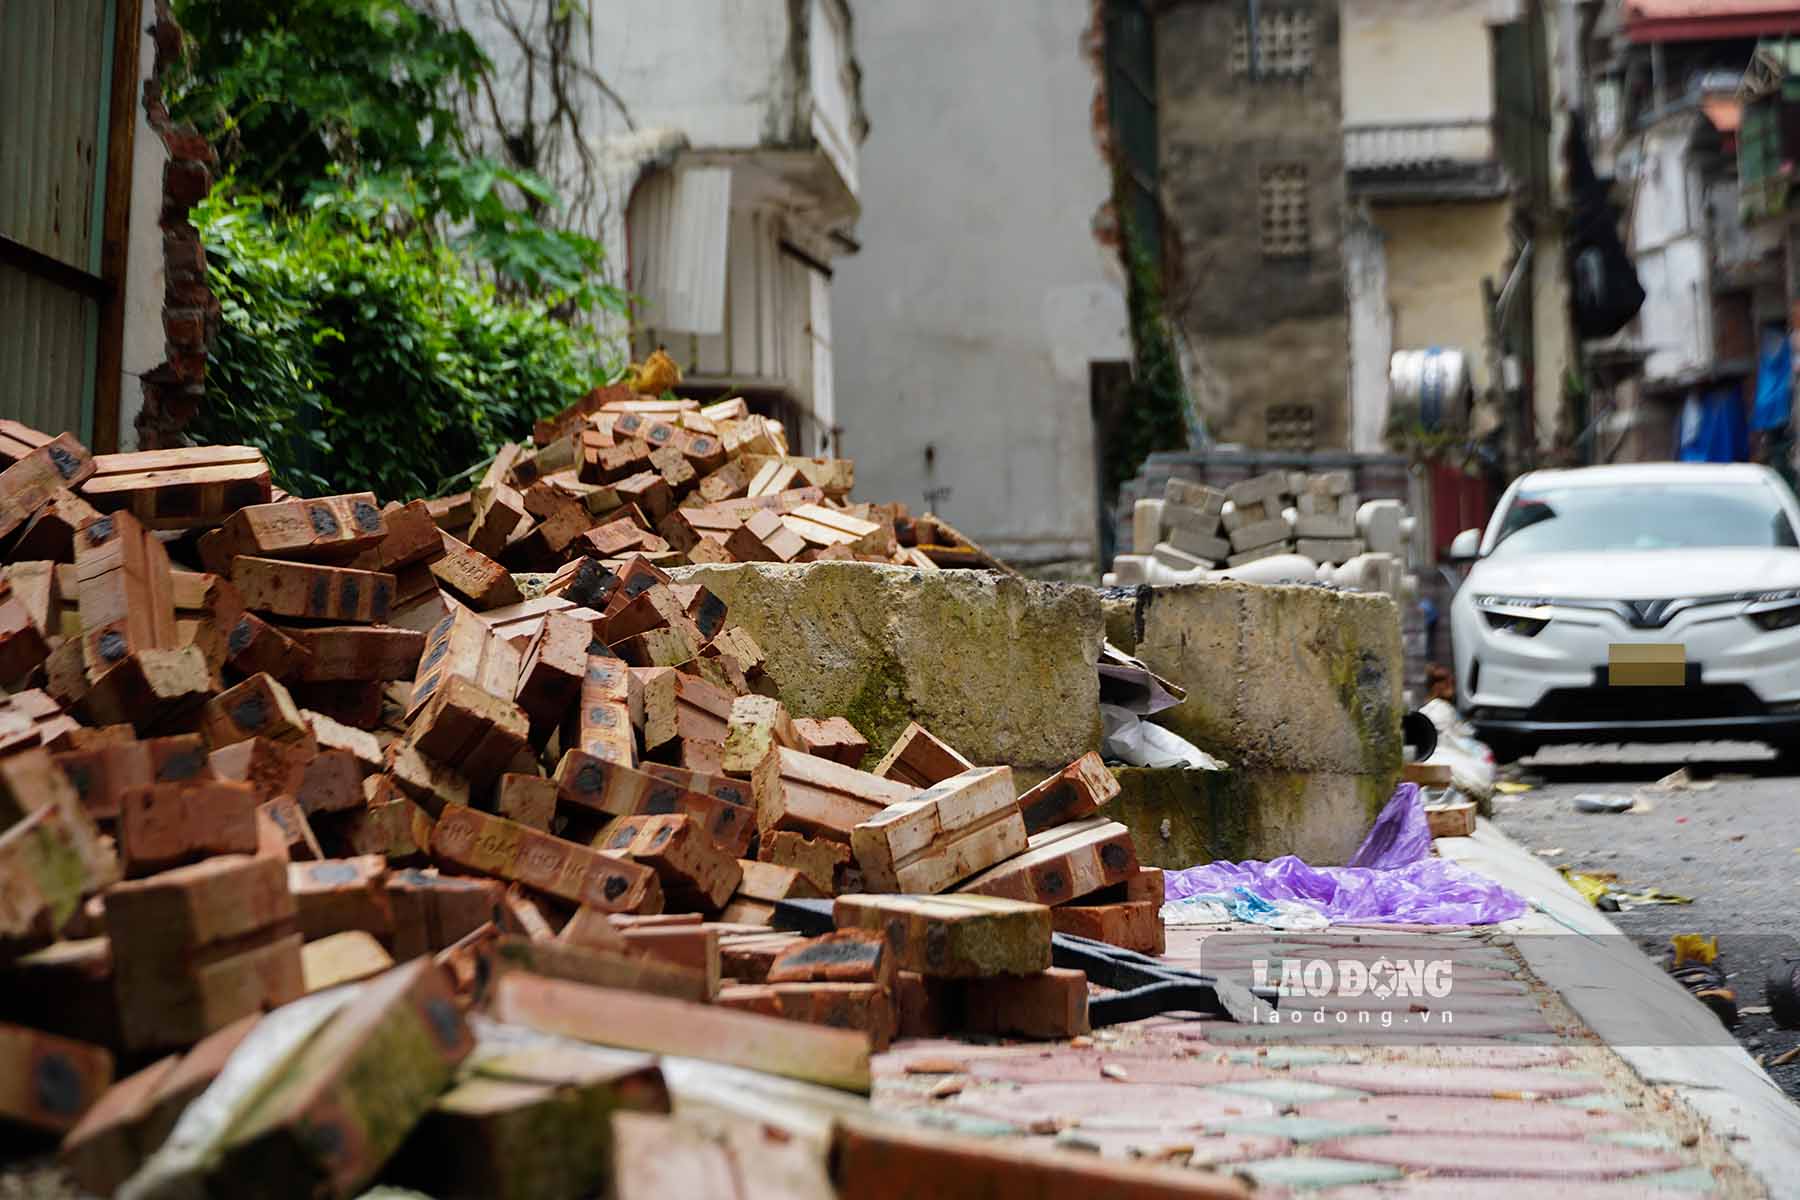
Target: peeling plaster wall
[(968, 320), (1437, 255), (1275, 331), (1417, 60)]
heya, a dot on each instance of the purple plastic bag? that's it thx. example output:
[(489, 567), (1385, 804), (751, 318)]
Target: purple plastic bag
[(1400, 835), (1394, 881)]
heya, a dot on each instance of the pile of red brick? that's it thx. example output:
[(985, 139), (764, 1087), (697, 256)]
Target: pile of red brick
[(336, 738)]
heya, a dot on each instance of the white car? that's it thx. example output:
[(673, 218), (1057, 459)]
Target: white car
[(1639, 603)]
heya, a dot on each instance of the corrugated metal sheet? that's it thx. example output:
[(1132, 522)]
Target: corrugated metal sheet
[(52, 102), (678, 227), (55, 66), (45, 367)]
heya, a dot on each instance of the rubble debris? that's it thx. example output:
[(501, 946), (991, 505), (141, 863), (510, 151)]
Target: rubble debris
[(1304, 527), (321, 778)]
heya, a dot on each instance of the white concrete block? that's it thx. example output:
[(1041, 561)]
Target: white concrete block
[(1262, 533), (1130, 569), (1146, 525), (1380, 523), (1329, 550), (1260, 489), (1200, 545), (1260, 552), (1321, 526), (1180, 560), (1188, 494)]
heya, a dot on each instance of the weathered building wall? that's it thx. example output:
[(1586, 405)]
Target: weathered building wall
[(965, 327), (1417, 60), (1244, 158), (1371, 332), (1437, 255), (713, 148)]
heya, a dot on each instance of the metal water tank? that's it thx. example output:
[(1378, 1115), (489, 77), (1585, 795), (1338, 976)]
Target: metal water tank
[(1429, 388)]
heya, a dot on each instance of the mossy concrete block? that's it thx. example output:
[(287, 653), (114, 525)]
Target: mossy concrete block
[(1001, 668), (1278, 678), (1180, 818)]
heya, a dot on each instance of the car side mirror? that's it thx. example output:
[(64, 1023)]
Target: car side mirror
[(1466, 546)]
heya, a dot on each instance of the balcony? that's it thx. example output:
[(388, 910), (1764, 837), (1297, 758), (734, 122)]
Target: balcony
[(1424, 160)]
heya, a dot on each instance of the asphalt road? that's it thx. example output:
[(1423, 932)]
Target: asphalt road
[(1732, 843)]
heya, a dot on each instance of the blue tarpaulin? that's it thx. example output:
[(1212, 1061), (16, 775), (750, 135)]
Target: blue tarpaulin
[(1774, 383), (1712, 427)]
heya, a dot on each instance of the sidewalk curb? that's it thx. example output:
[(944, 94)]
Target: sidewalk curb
[(1659, 1030)]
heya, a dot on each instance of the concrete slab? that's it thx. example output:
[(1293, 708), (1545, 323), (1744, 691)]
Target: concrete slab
[(999, 667), (1296, 679), (1178, 817)]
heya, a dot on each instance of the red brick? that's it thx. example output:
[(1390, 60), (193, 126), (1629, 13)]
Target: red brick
[(48, 1082)]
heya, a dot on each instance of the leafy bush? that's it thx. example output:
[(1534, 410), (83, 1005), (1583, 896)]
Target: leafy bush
[(323, 102), (1156, 401), (360, 360), (359, 346)]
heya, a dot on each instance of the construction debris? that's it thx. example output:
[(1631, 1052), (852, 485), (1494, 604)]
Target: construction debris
[(1196, 531), (330, 790)]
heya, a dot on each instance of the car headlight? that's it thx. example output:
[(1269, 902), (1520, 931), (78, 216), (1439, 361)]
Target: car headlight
[(1770, 611), (1525, 616)]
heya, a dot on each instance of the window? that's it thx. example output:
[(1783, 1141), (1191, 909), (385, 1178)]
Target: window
[(1282, 207), (1288, 427), (1284, 44), (1645, 516)]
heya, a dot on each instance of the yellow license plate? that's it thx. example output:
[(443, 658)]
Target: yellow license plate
[(1646, 664)]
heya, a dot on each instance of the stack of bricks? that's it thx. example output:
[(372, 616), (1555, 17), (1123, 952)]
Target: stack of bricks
[(1255, 517), (1195, 529), (255, 747), (1189, 520), (620, 475), (1325, 518)]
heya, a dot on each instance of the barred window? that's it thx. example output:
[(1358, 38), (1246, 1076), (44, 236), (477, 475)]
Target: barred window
[(1284, 44), (1288, 427), (1282, 208)]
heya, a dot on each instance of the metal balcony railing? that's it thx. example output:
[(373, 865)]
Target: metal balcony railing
[(1419, 146)]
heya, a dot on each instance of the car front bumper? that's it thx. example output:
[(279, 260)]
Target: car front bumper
[(1743, 682)]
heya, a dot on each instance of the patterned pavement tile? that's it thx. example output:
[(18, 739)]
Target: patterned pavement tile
[(1509, 1157), (1494, 1118), (1307, 1173), (1073, 1066), (1304, 1129), (1288, 1092), (1113, 1105), (1389, 1079)]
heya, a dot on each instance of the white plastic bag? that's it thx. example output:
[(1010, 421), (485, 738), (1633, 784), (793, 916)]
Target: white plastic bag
[(1131, 739)]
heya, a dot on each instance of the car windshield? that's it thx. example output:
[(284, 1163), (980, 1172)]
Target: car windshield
[(1645, 516)]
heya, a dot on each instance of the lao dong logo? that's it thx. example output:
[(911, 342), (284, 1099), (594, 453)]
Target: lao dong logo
[(1385, 978)]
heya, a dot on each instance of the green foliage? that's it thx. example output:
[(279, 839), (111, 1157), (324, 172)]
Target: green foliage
[(348, 103), (390, 300), (357, 359), (1157, 404)]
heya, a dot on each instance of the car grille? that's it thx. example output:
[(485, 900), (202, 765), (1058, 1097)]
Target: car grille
[(1623, 704)]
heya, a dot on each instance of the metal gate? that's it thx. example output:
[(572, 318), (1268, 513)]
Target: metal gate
[(68, 70)]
